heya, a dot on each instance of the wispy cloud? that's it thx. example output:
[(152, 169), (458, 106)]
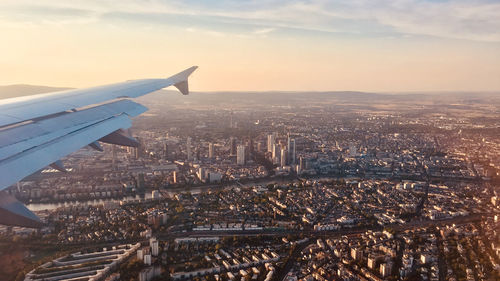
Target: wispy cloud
[(460, 19), (206, 31), (264, 30)]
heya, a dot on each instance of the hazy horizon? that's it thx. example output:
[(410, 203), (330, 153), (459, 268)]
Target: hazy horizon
[(18, 90), (233, 99)]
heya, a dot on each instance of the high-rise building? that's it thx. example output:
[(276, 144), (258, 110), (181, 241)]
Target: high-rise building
[(154, 248), (250, 146), (292, 152), (240, 157), (188, 149), (138, 149), (259, 146), (284, 153), (232, 145), (174, 176), (275, 151), (211, 151), (288, 146), (302, 164), (140, 181), (231, 124), (165, 150), (270, 142), (113, 152), (201, 173)]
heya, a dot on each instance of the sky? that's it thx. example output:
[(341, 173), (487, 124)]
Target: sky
[(309, 45)]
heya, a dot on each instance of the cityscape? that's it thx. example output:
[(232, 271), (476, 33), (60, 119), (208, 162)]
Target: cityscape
[(282, 186), (250, 140)]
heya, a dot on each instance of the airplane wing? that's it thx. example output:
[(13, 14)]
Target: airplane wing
[(36, 131)]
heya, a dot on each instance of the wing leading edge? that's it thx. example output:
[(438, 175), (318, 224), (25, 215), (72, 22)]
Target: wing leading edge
[(36, 131)]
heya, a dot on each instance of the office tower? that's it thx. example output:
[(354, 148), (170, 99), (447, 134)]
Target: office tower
[(259, 146), (201, 173), (240, 157), (270, 142), (154, 248), (188, 149), (292, 152), (174, 175), (113, 152), (232, 145), (284, 153), (165, 150), (231, 120), (250, 146), (138, 149), (288, 146), (275, 151), (302, 164), (140, 181), (211, 148)]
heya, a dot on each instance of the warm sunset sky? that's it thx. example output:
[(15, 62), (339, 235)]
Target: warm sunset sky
[(367, 45)]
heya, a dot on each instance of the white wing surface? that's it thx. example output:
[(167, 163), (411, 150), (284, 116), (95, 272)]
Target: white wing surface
[(36, 131)]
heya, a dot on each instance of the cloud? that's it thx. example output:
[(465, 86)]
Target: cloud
[(206, 31), (460, 19), (264, 30)]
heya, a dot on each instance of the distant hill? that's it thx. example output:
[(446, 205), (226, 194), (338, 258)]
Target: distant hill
[(19, 90), (280, 97)]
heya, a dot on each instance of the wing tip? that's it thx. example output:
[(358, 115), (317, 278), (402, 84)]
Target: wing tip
[(181, 79)]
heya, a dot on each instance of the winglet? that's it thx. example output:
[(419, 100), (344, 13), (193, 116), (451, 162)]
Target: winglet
[(181, 80), (183, 87)]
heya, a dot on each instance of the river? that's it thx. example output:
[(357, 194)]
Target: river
[(146, 195)]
